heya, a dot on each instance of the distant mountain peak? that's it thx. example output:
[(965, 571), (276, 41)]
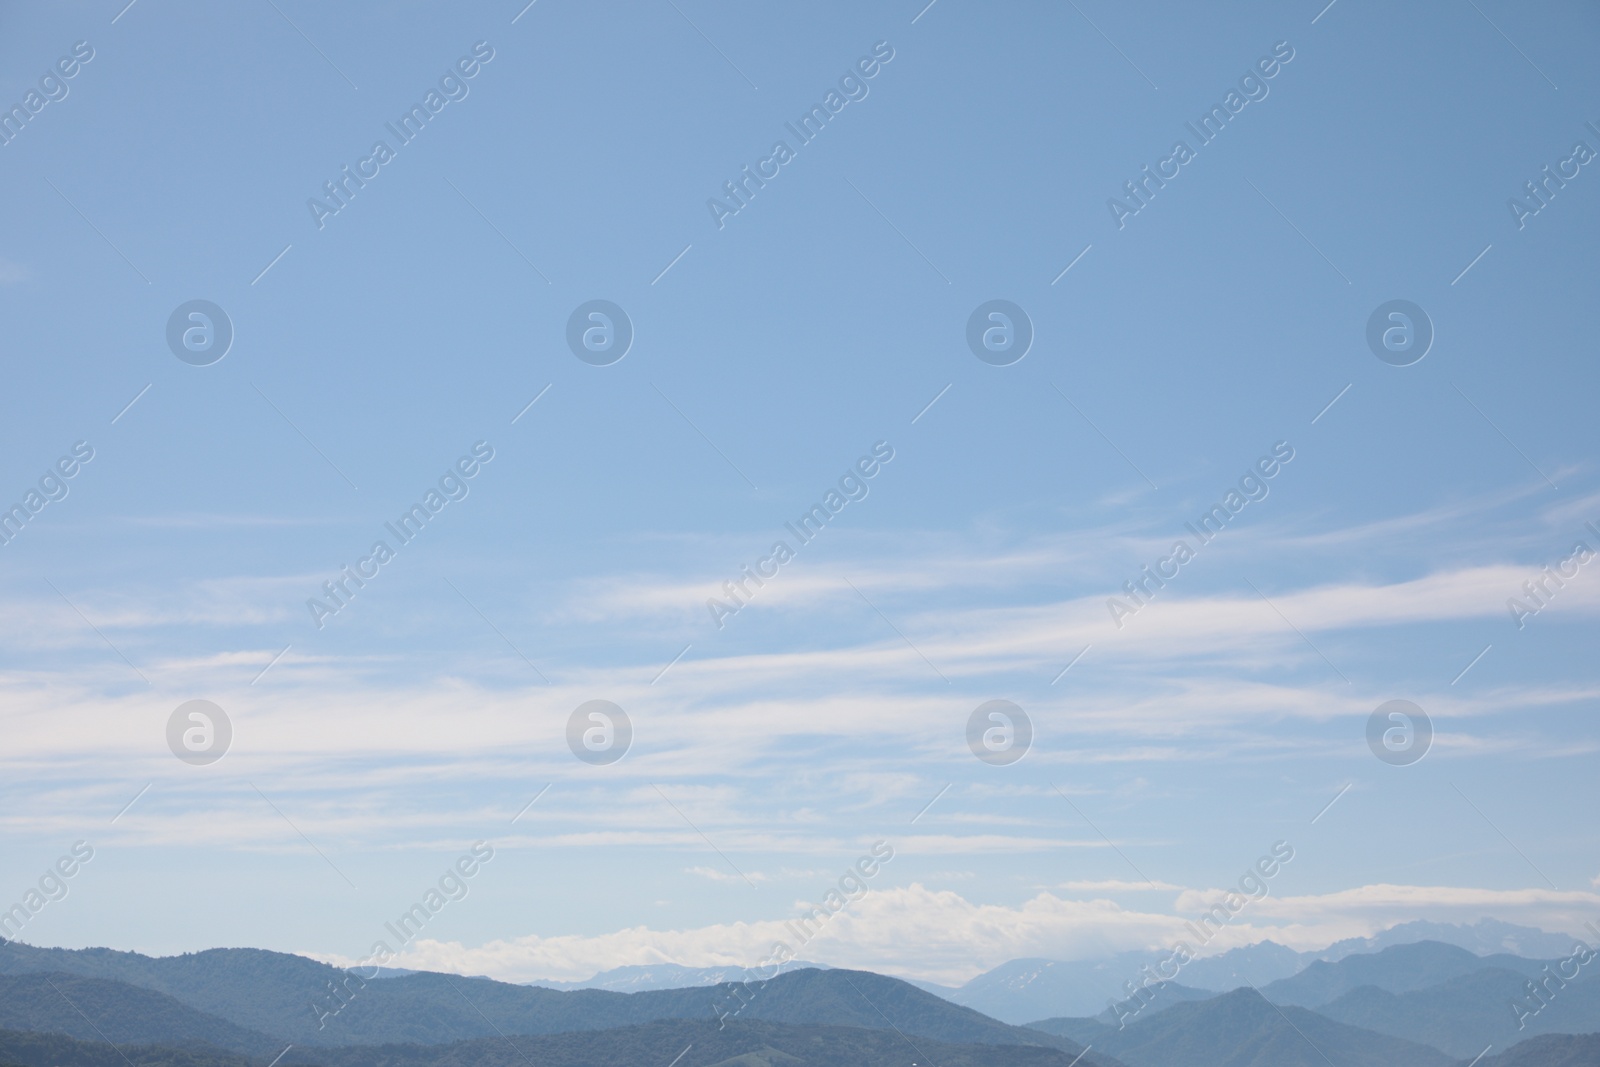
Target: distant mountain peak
[(1486, 937)]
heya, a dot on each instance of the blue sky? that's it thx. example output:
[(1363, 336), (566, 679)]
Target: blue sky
[(372, 352)]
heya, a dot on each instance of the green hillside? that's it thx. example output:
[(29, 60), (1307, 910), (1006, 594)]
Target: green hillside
[(91, 1008)]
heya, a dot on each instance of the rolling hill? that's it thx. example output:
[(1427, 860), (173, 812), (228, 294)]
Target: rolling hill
[(235, 997), (1027, 989), (269, 992), (1242, 1029), (1464, 1015), (94, 1008), (1090, 1031)]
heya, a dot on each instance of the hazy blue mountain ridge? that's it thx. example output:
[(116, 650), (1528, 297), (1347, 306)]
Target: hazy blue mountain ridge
[(1241, 1029), (247, 994), (1398, 969)]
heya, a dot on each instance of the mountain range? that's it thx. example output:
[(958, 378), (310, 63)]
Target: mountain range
[(231, 1000), (1026, 989), (1430, 995), (1423, 1003)]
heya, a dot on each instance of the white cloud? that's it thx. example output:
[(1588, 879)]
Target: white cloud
[(940, 936)]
